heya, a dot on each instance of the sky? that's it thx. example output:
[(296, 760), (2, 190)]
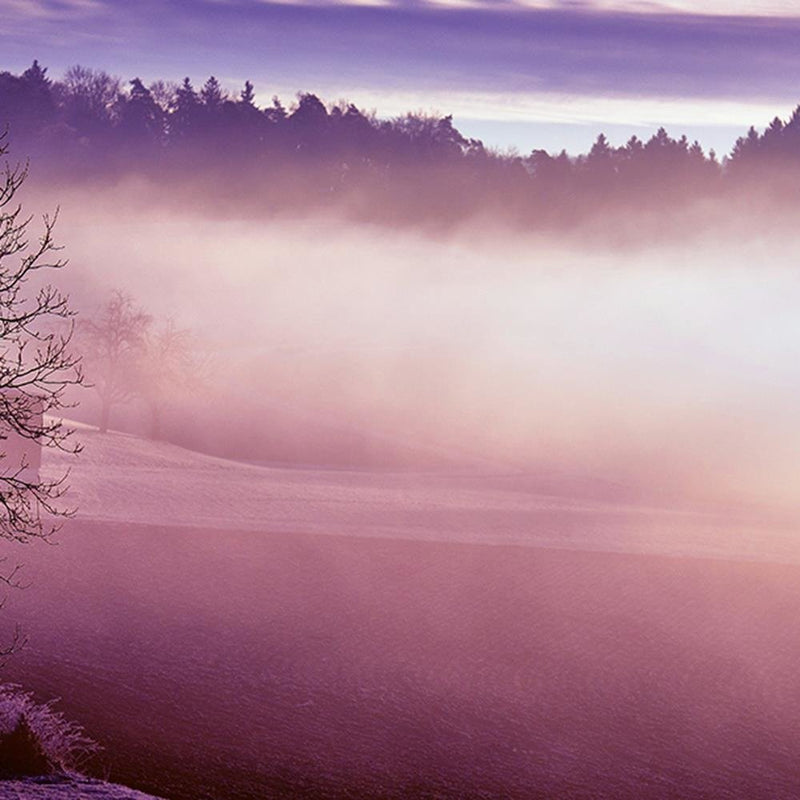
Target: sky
[(530, 74)]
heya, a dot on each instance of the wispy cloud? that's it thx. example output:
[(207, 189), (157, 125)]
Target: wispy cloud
[(709, 8), (51, 9), (727, 8), (49, 19), (625, 62), (570, 109), (730, 8)]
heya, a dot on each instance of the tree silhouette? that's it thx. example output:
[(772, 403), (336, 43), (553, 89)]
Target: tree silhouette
[(184, 119), (113, 345), (89, 101), (167, 362), (37, 366), (142, 121), (247, 96), (211, 94), (414, 169)]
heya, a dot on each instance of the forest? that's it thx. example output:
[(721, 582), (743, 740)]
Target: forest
[(412, 170)]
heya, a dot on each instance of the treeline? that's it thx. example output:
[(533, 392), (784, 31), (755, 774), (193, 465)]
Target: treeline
[(414, 169)]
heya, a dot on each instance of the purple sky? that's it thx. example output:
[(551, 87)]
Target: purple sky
[(531, 73)]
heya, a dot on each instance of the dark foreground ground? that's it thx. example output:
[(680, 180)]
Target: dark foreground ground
[(223, 665)]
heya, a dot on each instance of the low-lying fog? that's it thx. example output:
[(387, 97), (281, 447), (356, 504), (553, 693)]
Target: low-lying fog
[(673, 369), (272, 660)]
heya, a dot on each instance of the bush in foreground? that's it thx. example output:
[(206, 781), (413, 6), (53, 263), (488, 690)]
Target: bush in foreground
[(37, 740)]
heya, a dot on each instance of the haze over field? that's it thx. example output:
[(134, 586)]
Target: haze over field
[(236, 631), (667, 369)]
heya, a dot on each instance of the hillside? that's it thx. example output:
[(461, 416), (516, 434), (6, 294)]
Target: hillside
[(124, 479), (239, 632)]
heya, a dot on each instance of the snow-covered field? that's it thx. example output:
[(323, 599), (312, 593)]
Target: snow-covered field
[(238, 632), (121, 478)]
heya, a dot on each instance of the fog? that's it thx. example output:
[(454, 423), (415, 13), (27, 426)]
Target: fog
[(670, 370), (227, 630)]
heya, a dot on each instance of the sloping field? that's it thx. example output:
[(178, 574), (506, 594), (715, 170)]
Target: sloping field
[(121, 478), (346, 635)]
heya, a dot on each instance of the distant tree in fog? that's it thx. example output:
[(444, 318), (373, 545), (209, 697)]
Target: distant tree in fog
[(89, 101), (26, 102), (142, 122), (168, 361), (113, 344), (163, 93), (184, 119), (247, 96), (211, 94), (130, 357), (37, 366), (308, 124)]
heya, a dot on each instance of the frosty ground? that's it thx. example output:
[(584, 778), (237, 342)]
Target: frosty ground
[(236, 631), (125, 479), (64, 788)]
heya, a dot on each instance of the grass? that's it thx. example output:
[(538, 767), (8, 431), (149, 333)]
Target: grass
[(35, 739)]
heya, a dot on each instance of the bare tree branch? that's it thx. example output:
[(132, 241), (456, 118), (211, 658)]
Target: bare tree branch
[(113, 344), (37, 366)]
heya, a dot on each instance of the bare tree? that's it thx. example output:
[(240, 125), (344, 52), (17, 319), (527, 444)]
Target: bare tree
[(37, 366), (169, 362), (89, 99), (114, 344)]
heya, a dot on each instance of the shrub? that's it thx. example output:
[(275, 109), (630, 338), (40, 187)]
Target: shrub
[(37, 740)]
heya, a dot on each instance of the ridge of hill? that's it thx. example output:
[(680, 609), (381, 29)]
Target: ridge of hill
[(122, 479)]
